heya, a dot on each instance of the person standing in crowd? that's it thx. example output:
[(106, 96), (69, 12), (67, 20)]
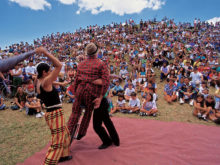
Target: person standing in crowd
[(87, 93), (59, 150)]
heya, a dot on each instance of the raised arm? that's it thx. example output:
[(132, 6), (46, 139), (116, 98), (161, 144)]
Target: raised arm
[(57, 67)]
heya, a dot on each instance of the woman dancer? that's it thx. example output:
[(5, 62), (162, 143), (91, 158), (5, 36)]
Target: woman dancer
[(59, 149)]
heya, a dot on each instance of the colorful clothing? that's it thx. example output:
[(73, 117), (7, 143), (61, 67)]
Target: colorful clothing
[(85, 92), (55, 120), (60, 137), (170, 90)]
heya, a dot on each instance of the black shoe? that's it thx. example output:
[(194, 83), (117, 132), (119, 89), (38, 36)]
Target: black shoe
[(66, 158), (116, 142), (104, 146)]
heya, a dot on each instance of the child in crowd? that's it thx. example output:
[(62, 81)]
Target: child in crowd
[(188, 95), (205, 92), (30, 88), (152, 91), (164, 72), (128, 92), (69, 92), (134, 103), (33, 106), (20, 99), (203, 86), (149, 106), (120, 105), (117, 89), (200, 109), (170, 91), (214, 114)]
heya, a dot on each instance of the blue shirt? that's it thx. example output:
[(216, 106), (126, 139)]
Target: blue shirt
[(118, 88), (170, 90)]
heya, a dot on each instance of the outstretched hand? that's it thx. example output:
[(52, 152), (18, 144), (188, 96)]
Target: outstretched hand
[(97, 102), (41, 50)]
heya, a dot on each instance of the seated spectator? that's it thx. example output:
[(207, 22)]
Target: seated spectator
[(129, 81), (69, 92), (157, 62), (120, 105), (200, 109), (179, 85), (128, 91), (150, 74), (20, 99), (146, 88), (217, 97), (134, 103), (188, 68), (30, 88), (187, 92), (142, 75), (196, 76), (149, 106), (152, 91), (181, 74), (172, 75), (170, 91), (117, 89), (213, 113), (33, 106), (205, 92), (2, 104), (112, 69), (203, 86), (213, 78), (123, 73), (164, 72)]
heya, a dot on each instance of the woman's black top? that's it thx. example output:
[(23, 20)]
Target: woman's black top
[(49, 98)]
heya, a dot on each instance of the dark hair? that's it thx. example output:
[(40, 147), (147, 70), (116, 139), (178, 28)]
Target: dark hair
[(152, 88), (202, 103), (133, 94), (121, 95), (42, 67), (150, 96), (30, 96)]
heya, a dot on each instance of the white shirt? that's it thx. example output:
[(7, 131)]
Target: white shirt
[(129, 91), (121, 103), (123, 72), (134, 103), (30, 69), (195, 76), (16, 72), (63, 67)]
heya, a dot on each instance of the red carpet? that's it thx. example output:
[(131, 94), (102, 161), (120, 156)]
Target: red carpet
[(147, 142)]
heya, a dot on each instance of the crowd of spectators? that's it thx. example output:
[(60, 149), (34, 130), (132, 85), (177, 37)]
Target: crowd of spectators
[(183, 55)]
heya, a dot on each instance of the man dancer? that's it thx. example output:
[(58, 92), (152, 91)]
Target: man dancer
[(87, 93)]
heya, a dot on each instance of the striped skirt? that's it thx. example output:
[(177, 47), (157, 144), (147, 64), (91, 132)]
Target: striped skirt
[(60, 137)]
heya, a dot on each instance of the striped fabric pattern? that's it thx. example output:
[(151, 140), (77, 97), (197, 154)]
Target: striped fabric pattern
[(84, 99), (60, 137)]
